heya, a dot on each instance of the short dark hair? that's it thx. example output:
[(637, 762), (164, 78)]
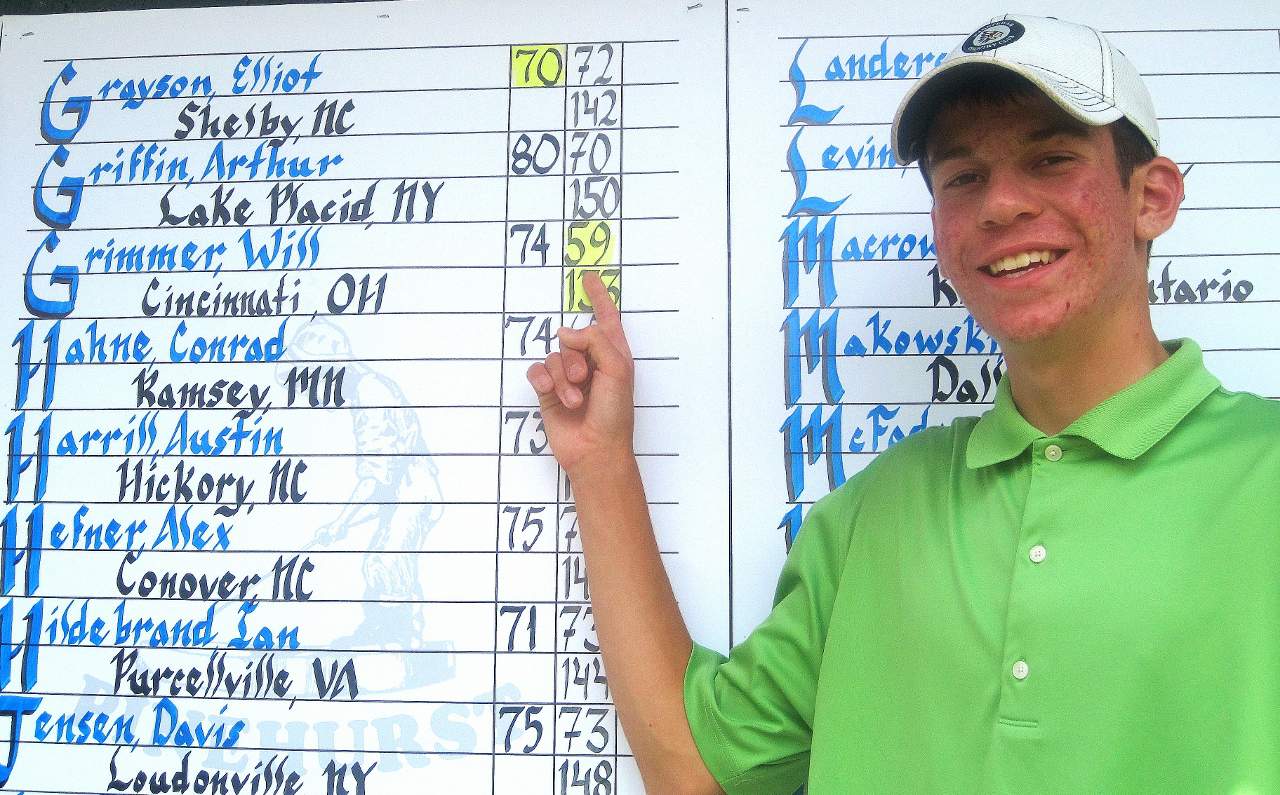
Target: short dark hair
[(995, 86)]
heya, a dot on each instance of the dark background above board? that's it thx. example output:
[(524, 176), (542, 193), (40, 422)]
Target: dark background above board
[(73, 6)]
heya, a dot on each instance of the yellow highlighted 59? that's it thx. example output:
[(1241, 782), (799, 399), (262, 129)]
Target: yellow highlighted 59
[(589, 243)]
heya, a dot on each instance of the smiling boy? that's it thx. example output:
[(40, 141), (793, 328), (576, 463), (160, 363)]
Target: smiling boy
[(1048, 598)]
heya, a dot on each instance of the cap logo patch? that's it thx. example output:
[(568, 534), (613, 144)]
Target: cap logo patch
[(993, 35)]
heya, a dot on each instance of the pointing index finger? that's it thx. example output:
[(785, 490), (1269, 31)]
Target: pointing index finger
[(607, 315), (599, 295)]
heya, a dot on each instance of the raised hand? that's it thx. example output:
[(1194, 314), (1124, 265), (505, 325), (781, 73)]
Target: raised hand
[(588, 411), (586, 390)]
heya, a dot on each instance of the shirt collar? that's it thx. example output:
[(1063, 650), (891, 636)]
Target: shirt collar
[(1126, 425)]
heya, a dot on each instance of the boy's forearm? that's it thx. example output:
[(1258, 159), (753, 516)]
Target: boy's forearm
[(642, 635)]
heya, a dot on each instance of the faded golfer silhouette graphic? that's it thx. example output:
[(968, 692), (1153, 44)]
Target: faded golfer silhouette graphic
[(394, 505)]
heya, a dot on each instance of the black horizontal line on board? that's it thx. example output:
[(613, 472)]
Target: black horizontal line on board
[(926, 260), (305, 454), (851, 213), (422, 90), (888, 124), (1250, 300), (1195, 209), (497, 755), (381, 313), (357, 49), (996, 353), (604, 755), (566, 702), (952, 355), (943, 403), (822, 170), (890, 403), (303, 271), (260, 600), (967, 32), (961, 307), (118, 503), (135, 409), (797, 452), (357, 225), (913, 168), (341, 361), (344, 136), (311, 650), (312, 551), (788, 81), (955, 308), (1207, 74), (874, 213), (1216, 208), (308, 180)]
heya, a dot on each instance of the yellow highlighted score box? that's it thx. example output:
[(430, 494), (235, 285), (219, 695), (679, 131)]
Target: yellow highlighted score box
[(589, 243), (537, 65), (575, 295)]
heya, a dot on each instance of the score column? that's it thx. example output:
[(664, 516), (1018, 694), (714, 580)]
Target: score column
[(586, 723), (525, 643)]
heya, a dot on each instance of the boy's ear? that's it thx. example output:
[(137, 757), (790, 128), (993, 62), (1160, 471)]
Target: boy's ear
[(1157, 188)]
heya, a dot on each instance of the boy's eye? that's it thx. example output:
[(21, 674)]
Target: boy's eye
[(961, 179), (1053, 160)]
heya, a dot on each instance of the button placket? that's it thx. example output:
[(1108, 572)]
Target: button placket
[(1020, 697)]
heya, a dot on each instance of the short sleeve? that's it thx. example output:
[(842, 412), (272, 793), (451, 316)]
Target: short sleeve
[(751, 713)]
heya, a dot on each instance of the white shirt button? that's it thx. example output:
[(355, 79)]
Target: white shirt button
[(1038, 553), (1053, 452), (1020, 670)]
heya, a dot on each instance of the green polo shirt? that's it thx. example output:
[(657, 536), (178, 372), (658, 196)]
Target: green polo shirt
[(985, 609)]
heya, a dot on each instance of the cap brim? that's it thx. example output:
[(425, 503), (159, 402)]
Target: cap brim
[(919, 105)]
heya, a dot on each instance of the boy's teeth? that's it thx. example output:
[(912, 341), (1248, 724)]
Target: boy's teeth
[(1019, 261)]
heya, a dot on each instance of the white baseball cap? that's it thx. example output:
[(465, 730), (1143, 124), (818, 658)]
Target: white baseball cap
[(1075, 66)]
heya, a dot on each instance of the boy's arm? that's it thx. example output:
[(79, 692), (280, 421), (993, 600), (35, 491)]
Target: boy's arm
[(586, 398)]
